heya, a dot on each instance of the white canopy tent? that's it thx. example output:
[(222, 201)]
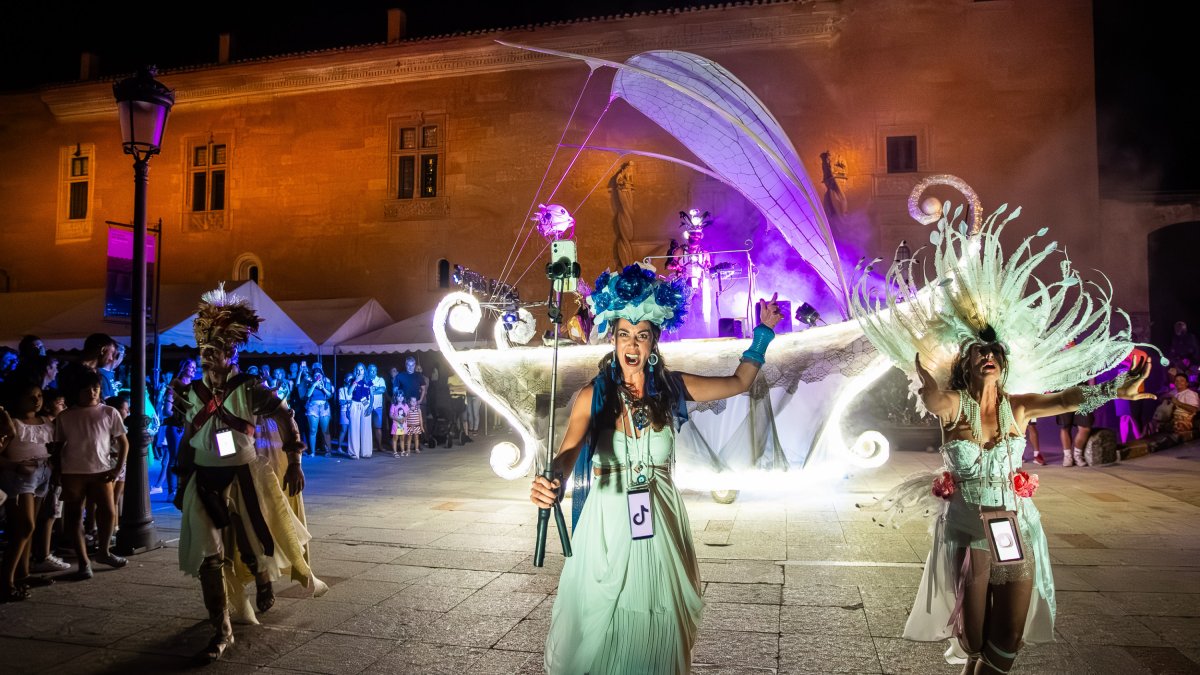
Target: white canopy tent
[(333, 321), (414, 334), (20, 312), (279, 334), (64, 319)]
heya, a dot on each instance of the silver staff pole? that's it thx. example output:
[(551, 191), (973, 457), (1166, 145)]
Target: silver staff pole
[(562, 269)]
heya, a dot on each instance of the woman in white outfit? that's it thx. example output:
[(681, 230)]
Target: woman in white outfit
[(360, 414)]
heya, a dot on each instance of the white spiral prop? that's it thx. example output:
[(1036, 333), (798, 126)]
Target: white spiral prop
[(831, 442), (929, 211), (871, 449), (509, 462), (465, 317), (464, 310)]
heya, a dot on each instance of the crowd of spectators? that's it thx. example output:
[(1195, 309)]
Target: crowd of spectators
[(64, 445)]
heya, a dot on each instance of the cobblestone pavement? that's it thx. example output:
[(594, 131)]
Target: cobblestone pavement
[(430, 567)]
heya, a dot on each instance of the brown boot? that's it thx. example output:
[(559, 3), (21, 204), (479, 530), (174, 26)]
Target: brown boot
[(213, 588)]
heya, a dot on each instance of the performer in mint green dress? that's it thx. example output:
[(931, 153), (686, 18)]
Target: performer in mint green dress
[(626, 604)]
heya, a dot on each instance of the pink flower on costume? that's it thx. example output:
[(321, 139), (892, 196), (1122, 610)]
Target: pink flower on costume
[(944, 487), (1025, 484)]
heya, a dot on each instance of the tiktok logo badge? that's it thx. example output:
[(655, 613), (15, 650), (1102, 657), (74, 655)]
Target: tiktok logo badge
[(639, 518)]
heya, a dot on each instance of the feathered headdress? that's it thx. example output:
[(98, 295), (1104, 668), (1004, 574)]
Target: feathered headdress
[(979, 296), (638, 294), (224, 320)]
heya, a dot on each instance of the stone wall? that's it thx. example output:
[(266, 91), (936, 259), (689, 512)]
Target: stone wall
[(1000, 94)]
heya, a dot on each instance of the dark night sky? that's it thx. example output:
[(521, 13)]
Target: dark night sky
[(1146, 60)]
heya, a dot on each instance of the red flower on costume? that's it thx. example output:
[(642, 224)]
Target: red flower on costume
[(1025, 484), (944, 487)]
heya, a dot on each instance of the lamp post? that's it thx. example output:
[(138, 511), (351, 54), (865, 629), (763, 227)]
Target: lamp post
[(143, 104)]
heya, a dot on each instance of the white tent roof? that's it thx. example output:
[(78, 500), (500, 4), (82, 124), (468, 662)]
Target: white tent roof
[(336, 320), (21, 311), (64, 319), (279, 333), (414, 334)]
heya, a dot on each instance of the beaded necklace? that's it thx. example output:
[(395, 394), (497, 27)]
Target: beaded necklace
[(637, 408), (637, 419)]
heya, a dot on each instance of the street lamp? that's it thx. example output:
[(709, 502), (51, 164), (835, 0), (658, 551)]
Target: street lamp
[(143, 104)]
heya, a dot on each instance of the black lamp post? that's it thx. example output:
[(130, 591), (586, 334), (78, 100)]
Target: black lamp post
[(143, 104)]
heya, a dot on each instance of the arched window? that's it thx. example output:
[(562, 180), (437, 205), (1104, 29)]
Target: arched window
[(443, 273), (248, 267)]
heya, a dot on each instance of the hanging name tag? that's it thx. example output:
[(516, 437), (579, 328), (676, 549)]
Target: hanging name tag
[(1004, 537), (641, 514), (224, 443)]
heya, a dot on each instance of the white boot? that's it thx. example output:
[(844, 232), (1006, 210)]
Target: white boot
[(1079, 458), (1067, 457)]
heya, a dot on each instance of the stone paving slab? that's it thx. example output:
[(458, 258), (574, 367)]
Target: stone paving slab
[(429, 561)]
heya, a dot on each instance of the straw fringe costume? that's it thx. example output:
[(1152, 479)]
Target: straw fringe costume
[(978, 296), (238, 523)]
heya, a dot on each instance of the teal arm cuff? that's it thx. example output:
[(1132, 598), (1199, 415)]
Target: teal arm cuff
[(758, 346)]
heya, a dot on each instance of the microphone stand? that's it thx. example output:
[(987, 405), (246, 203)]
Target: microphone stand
[(557, 276)]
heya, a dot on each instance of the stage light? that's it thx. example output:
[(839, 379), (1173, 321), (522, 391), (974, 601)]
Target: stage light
[(510, 317), (693, 223), (807, 315)]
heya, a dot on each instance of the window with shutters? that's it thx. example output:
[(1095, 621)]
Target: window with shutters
[(207, 164), (75, 192), (209, 169), (416, 171)]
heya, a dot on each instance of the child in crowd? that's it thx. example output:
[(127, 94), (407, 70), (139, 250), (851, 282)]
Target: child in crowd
[(120, 403), (414, 425), (398, 412), (43, 559), (25, 477), (91, 449)]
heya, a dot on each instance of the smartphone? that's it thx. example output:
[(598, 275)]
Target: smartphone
[(564, 264), (1005, 541)]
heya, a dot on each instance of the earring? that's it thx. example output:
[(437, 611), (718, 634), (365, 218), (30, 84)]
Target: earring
[(652, 361)]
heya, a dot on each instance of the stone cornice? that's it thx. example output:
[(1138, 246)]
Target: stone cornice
[(460, 56)]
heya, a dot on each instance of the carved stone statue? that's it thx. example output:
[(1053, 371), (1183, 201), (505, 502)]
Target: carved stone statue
[(834, 200), (622, 187)]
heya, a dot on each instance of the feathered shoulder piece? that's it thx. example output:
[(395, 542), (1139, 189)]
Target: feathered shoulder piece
[(224, 320), (978, 295)]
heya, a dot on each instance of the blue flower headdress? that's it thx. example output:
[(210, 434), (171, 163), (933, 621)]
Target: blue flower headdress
[(638, 294)]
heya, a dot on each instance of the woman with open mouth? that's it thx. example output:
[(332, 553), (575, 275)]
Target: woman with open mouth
[(629, 598)]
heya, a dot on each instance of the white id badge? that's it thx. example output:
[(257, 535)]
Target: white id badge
[(225, 446), (1004, 537), (641, 514)]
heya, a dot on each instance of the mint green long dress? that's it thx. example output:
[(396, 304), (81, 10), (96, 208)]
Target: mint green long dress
[(627, 606)]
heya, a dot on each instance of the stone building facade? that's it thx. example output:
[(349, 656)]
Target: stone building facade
[(356, 172)]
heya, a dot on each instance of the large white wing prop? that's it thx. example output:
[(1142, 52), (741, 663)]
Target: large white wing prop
[(724, 124)]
